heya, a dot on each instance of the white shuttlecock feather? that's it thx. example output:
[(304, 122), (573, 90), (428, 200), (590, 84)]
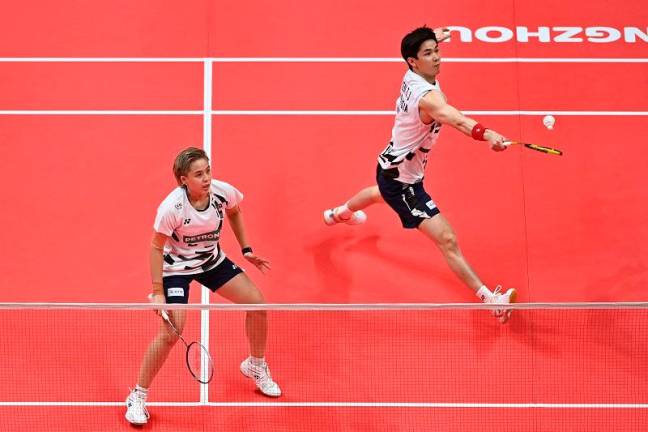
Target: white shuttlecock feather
[(549, 121)]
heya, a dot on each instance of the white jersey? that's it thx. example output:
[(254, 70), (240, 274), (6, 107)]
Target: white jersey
[(411, 138), (193, 246)]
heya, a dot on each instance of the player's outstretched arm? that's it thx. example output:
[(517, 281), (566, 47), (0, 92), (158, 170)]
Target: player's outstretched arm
[(434, 105)]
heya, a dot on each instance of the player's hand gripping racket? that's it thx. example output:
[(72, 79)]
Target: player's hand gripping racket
[(536, 147), (195, 356)]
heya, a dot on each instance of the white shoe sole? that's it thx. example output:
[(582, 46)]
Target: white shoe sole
[(135, 422), (244, 372)]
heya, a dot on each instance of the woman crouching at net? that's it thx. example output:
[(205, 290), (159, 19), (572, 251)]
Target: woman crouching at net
[(185, 248)]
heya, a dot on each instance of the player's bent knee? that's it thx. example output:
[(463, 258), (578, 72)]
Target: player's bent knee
[(448, 241), (254, 296)]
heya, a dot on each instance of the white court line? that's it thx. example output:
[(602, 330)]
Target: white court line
[(207, 107), (443, 60), (391, 113), (204, 291), (314, 112), (101, 112), (350, 405), (314, 60)]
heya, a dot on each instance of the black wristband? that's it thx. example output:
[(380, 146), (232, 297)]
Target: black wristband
[(246, 250)]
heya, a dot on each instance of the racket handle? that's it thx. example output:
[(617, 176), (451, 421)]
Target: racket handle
[(163, 313)]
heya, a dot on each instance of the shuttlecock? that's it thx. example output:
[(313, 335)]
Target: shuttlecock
[(549, 121)]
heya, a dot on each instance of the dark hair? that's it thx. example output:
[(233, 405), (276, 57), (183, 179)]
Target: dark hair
[(413, 40), (184, 160)]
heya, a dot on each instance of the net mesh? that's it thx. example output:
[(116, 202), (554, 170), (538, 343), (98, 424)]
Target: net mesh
[(396, 369)]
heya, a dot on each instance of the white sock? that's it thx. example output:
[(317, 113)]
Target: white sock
[(257, 361), (484, 293), (343, 211), (142, 391)]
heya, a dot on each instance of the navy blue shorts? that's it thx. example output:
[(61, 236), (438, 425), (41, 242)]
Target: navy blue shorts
[(410, 201), (176, 288)]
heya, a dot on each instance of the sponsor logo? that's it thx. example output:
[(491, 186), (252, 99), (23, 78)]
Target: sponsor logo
[(559, 34), (430, 204), (175, 292), (187, 221), (178, 206), (211, 236)]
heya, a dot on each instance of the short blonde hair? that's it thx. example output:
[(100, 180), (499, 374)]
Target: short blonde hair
[(185, 158)]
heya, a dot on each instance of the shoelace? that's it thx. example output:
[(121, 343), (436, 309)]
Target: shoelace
[(138, 401), (262, 376)]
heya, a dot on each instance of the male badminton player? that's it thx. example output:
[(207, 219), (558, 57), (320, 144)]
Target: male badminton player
[(421, 110), (185, 248)]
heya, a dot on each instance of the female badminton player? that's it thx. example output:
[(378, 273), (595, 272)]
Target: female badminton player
[(185, 247)]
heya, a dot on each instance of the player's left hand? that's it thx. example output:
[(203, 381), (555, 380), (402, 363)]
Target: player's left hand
[(261, 263), (442, 33)]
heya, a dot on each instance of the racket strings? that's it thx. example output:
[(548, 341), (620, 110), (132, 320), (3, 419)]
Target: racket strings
[(198, 358)]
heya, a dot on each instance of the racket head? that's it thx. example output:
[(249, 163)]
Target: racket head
[(199, 362)]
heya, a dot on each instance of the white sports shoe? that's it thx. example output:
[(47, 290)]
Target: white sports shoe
[(136, 412), (261, 376), (508, 297), (331, 217)]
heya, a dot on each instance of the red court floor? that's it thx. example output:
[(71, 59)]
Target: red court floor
[(82, 190)]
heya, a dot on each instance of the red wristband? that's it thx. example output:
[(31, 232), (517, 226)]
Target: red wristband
[(478, 132)]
